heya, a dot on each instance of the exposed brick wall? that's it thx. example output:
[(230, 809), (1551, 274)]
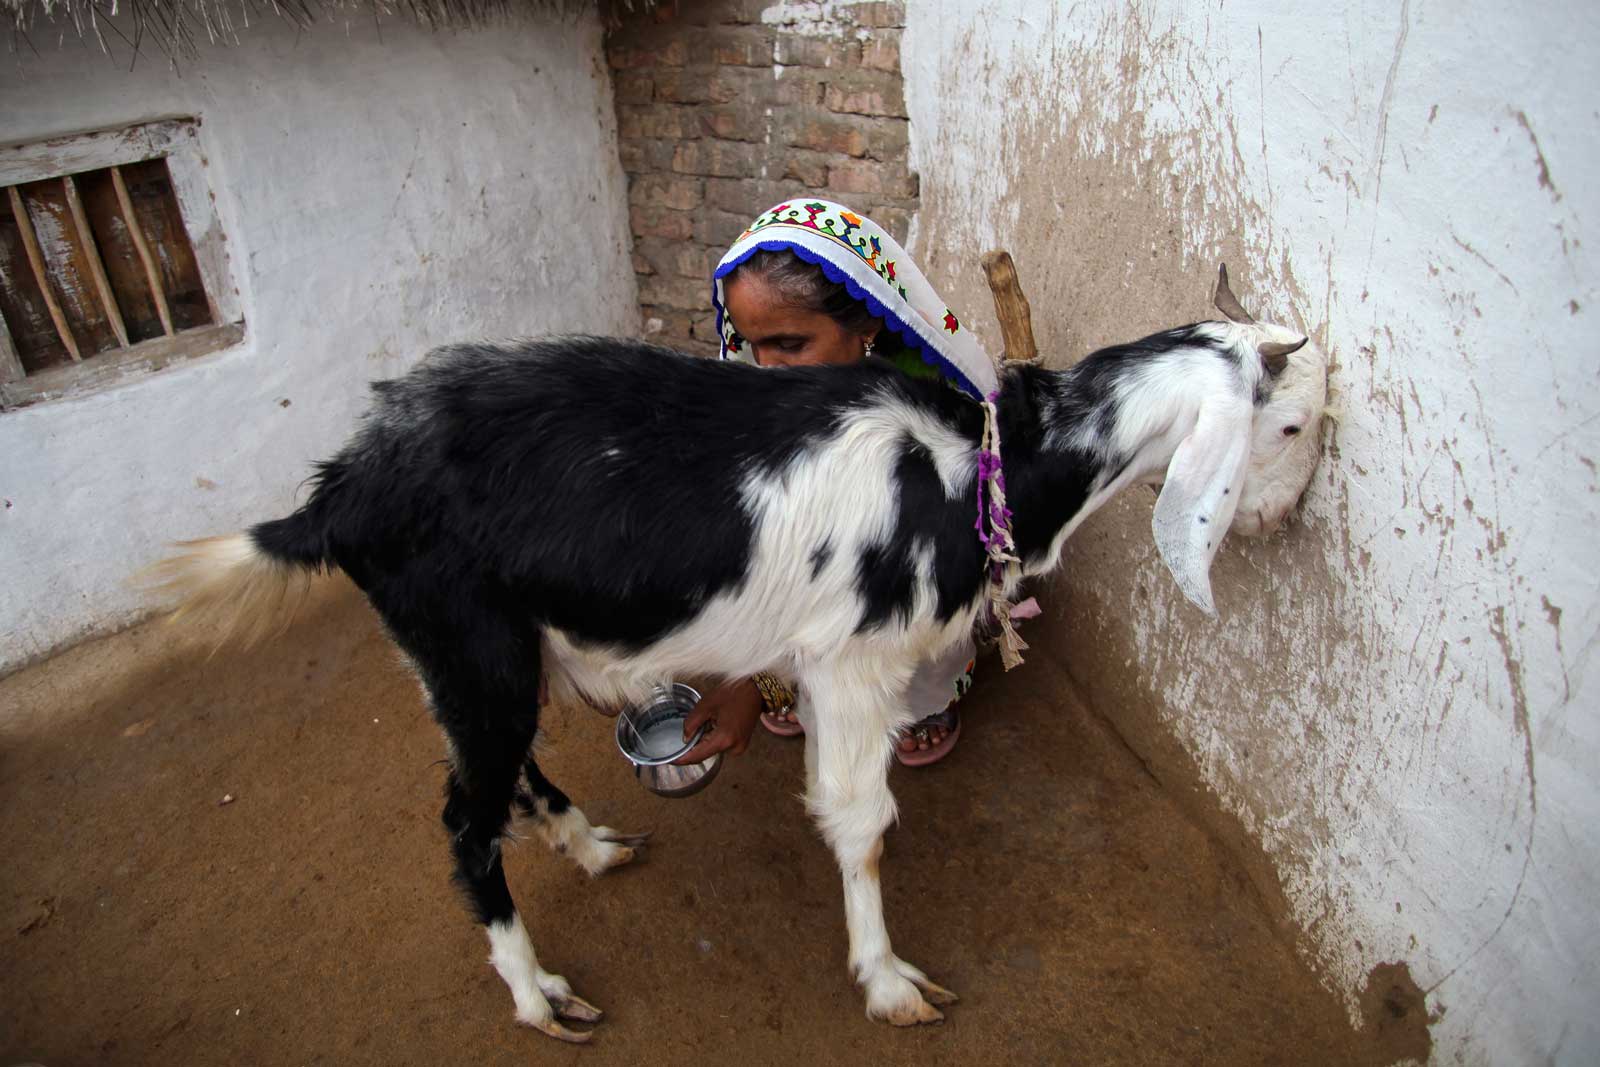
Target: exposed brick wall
[(721, 114)]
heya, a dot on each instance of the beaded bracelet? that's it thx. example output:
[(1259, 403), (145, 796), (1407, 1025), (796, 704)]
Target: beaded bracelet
[(774, 694)]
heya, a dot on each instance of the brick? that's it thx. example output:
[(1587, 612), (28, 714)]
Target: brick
[(888, 139), (642, 265), (675, 291), (657, 120), (810, 169), (660, 52), (666, 190), (696, 261), (682, 259), (867, 176), (784, 87), (719, 229), (735, 122), (801, 50), (883, 14), (855, 176), (734, 46), (733, 12), (749, 197), (703, 328), (881, 51), (721, 159), (688, 85), (897, 220), (640, 155), (822, 132), (685, 13), (865, 92), (660, 222), (665, 325), (634, 87)]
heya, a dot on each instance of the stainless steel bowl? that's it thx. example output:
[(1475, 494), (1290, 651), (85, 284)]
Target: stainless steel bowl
[(651, 736)]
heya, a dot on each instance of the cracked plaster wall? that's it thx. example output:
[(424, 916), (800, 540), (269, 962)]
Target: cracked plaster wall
[(1399, 706)]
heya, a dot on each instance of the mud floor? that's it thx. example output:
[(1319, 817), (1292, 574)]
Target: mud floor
[(1039, 872)]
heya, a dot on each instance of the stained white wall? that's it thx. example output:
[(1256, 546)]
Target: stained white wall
[(1400, 704), (382, 192)]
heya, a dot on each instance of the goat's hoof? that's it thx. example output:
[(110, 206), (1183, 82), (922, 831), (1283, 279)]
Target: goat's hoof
[(575, 1009), (934, 993), (624, 856), (611, 849), (894, 996), (921, 1014), (554, 1029)]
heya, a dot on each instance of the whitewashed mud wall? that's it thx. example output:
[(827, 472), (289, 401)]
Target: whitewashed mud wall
[(1400, 706), (382, 192)]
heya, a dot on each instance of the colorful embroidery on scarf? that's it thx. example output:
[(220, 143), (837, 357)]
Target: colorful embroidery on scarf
[(829, 220)]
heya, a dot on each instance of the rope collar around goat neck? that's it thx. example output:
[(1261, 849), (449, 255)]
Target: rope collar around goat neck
[(994, 531)]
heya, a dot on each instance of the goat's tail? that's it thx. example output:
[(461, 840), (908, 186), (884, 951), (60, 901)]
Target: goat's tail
[(242, 587)]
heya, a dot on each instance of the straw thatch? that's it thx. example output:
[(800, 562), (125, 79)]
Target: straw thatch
[(176, 28)]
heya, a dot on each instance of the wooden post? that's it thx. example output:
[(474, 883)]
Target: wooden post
[(135, 231), (91, 253), (30, 244), (1010, 307)]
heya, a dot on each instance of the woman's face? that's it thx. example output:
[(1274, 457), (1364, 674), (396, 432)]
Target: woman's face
[(783, 336)]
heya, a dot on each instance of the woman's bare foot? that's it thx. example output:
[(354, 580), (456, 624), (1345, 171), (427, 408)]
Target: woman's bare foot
[(930, 740), (782, 722)]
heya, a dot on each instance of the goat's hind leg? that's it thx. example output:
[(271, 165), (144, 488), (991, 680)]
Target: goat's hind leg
[(485, 696), (477, 809), (848, 748), (566, 829)]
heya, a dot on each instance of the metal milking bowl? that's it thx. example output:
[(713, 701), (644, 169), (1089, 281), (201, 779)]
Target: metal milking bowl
[(650, 735)]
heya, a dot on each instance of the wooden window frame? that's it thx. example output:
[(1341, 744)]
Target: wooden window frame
[(177, 140)]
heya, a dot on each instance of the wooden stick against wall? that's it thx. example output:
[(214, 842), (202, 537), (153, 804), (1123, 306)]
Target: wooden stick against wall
[(153, 276), (30, 244), (91, 254), (1010, 307)]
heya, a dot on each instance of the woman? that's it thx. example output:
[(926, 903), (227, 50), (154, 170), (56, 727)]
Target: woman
[(789, 293)]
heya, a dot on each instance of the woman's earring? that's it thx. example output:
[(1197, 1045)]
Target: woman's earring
[(866, 351)]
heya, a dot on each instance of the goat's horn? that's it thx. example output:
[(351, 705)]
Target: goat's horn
[(1275, 354), (1226, 302)]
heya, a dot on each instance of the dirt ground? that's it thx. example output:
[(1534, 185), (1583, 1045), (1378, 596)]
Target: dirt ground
[(1039, 872)]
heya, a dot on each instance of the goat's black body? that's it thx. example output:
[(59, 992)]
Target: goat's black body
[(487, 469)]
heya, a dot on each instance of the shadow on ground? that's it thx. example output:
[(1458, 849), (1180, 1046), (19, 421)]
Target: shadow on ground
[(1038, 871)]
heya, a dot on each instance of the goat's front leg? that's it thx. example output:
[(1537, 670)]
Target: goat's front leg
[(848, 725)]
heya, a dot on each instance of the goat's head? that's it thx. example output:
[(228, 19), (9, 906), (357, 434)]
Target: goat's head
[(1245, 465), (1286, 434)]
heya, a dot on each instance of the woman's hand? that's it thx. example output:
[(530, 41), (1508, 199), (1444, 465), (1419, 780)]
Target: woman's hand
[(732, 710)]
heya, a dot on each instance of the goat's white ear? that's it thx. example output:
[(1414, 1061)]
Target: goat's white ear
[(1200, 495)]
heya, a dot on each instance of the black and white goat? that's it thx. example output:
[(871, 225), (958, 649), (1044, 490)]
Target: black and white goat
[(617, 514)]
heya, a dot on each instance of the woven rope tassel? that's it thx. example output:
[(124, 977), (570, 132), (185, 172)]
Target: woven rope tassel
[(994, 528)]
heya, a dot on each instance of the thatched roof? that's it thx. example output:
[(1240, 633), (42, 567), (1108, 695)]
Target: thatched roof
[(176, 28)]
